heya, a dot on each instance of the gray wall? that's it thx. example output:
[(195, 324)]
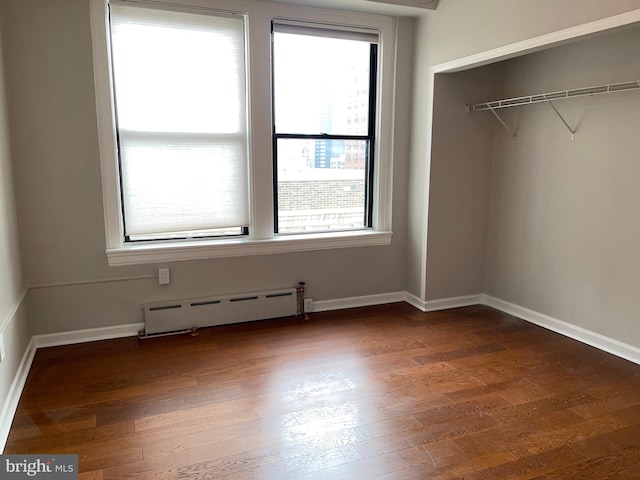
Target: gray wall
[(457, 29), (57, 169), (57, 173), (459, 184), (564, 227), (13, 317)]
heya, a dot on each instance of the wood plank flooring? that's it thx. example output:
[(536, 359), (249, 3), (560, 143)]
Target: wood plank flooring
[(387, 393)]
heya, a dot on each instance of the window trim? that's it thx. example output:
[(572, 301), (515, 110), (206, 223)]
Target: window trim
[(232, 247), (139, 11), (300, 28), (262, 240)]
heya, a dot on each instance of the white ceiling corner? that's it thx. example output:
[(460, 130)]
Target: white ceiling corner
[(428, 4), (411, 8)]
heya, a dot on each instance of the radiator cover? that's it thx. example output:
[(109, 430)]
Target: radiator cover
[(172, 316)]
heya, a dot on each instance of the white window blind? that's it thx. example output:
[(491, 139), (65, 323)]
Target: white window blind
[(180, 98)]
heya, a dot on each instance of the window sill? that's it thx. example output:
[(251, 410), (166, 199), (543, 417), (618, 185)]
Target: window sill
[(203, 249)]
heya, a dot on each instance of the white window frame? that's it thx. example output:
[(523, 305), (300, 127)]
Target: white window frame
[(261, 239)]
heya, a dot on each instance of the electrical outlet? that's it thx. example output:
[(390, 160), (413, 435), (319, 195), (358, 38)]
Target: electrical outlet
[(2, 352), (164, 276), (308, 305)]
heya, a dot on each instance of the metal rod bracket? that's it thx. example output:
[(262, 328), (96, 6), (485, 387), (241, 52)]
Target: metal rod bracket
[(513, 134), (566, 124)]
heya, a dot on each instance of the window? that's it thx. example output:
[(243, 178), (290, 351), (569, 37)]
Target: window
[(197, 142), (180, 102), (324, 82)]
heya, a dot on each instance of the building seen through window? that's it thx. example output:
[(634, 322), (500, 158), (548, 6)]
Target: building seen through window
[(324, 131)]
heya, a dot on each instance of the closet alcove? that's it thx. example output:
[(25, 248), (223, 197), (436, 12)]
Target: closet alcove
[(524, 210)]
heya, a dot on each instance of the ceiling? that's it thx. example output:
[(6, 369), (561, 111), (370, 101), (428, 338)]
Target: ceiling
[(411, 8), (429, 4)]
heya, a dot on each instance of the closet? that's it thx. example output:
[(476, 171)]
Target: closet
[(534, 195)]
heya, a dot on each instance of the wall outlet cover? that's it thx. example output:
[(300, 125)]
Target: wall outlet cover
[(164, 276)]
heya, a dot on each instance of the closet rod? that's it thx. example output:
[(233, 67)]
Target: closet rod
[(548, 97)]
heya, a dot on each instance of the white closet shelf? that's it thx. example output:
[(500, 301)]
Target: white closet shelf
[(548, 97)]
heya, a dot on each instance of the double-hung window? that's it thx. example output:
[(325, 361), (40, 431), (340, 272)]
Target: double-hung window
[(180, 102), (324, 106), (233, 128)]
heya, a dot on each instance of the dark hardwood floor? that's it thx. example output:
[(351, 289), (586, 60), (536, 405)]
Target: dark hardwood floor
[(387, 393)]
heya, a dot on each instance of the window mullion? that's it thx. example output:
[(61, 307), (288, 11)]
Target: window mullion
[(260, 138)]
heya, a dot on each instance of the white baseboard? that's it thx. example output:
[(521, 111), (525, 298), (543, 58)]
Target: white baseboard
[(381, 299), (130, 330), (602, 342), (52, 340), (13, 397), (88, 335), (445, 303), (353, 302), (597, 340)]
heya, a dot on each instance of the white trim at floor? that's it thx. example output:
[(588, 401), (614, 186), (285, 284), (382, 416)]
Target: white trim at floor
[(354, 302), (15, 391), (88, 335), (381, 299), (602, 342), (444, 303)]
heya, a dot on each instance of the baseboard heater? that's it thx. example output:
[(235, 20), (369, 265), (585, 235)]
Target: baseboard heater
[(187, 316)]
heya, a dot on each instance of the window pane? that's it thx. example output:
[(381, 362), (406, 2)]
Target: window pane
[(321, 185), (321, 85), (178, 72), (182, 186), (180, 95)]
